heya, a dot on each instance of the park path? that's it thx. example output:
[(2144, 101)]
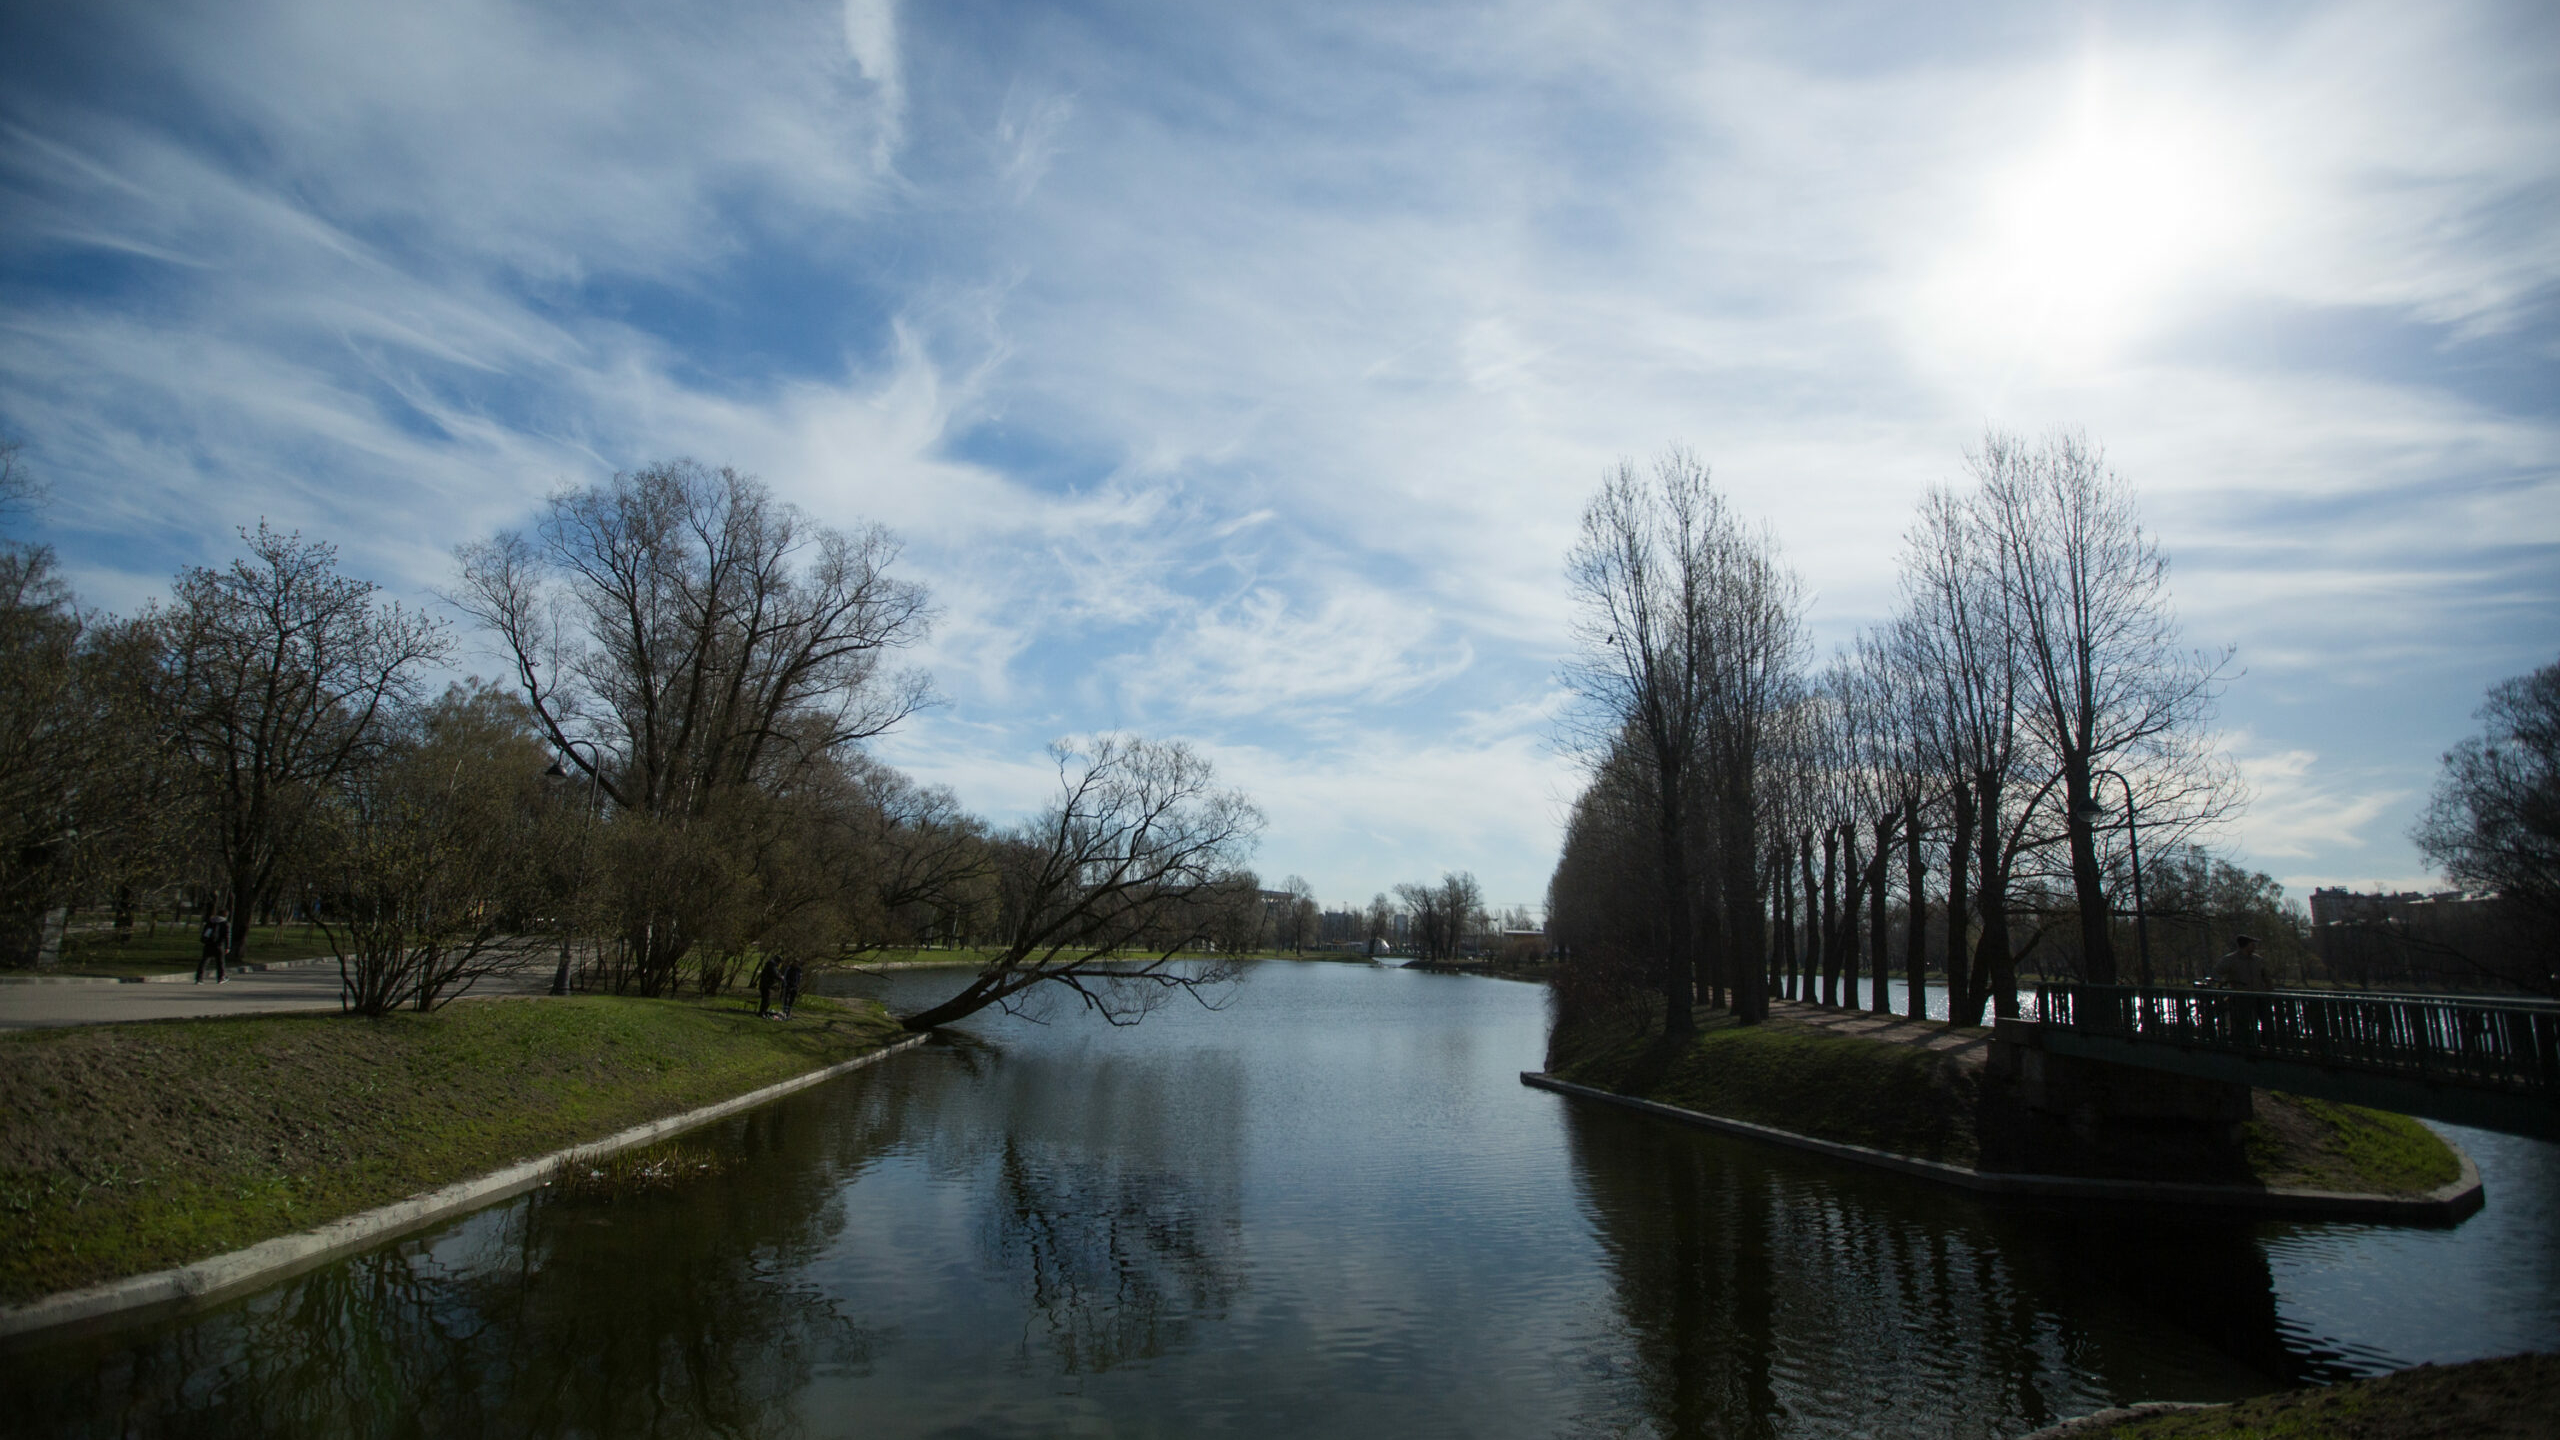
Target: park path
[(294, 986), (1968, 1046)]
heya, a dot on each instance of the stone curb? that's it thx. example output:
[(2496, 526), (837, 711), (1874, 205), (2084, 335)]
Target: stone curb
[(206, 1281), (2445, 1205), (2109, 1419)]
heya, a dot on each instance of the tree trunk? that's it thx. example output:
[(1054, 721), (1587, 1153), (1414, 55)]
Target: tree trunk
[(1783, 963), (1679, 967), (1746, 920), (1959, 866), (1991, 959), (1831, 917), (979, 994), (1915, 876), (1809, 955), (241, 903), (1710, 952), (2088, 887), (1880, 924), (1853, 902)]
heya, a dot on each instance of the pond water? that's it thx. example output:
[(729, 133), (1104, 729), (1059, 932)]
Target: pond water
[(1328, 1209)]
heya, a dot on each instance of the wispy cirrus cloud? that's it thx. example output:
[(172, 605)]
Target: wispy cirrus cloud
[(1240, 376)]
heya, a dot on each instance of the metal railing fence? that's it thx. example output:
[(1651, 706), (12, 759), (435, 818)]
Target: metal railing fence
[(2482, 1044)]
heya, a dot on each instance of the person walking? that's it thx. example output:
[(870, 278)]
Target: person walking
[(215, 938), (790, 987), (767, 975), (2241, 969)]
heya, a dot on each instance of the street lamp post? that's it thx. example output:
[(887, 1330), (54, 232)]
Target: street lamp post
[(560, 981), (2133, 844)]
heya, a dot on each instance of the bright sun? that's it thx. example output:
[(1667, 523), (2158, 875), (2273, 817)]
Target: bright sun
[(2087, 238)]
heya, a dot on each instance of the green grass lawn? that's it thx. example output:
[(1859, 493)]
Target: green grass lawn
[(978, 956), (1793, 1077), (174, 948), (130, 1148), (1909, 1101), (970, 956)]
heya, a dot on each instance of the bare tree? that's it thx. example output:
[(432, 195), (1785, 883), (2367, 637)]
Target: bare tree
[(81, 783), (1603, 913), (1426, 922), (1879, 782), (1964, 658), (281, 675), (680, 636), (1126, 870), (1298, 915), (1892, 698), (1755, 662), (1461, 910), (2085, 592), (1862, 787), (2494, 820), (433, 863), (920, 865), (1640, 574), (1380, 919)]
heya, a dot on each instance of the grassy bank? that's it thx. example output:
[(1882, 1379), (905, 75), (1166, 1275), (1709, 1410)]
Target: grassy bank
[(1939, 1106), (130, 1148), (1794, 1077), (970, 956), (174, 948), (2510, 1399)]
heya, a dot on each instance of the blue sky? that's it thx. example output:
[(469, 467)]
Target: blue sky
[(1238, 373)]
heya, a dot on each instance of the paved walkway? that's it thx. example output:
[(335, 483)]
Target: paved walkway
[(252, 992), (1967, 1046)]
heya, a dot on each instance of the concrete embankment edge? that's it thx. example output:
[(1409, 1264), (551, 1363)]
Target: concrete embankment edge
[(207, 1281), (2445, 1205)]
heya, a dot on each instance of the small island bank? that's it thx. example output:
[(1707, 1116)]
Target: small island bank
[(1939, 1103)]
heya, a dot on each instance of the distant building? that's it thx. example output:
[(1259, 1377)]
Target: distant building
[(2338, 905), (2455, 939)]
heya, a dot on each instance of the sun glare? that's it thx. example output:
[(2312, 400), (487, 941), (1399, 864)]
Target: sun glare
[(2087, 238)]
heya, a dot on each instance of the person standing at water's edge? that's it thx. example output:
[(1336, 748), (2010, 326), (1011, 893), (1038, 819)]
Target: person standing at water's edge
[(215, 938), (790, 987), (766, 974)]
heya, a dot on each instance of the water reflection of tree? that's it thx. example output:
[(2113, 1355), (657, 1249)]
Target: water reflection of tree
[(1110, 1186), (1118, 1261), (1760, 1295), (667, 1315)]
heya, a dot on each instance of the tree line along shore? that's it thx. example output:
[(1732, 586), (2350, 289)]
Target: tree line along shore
[(2014, 771), (670, 784)]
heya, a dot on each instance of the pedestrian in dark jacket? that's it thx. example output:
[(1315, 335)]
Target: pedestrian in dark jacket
[(766, 976), (215, 937), (790, 987)]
